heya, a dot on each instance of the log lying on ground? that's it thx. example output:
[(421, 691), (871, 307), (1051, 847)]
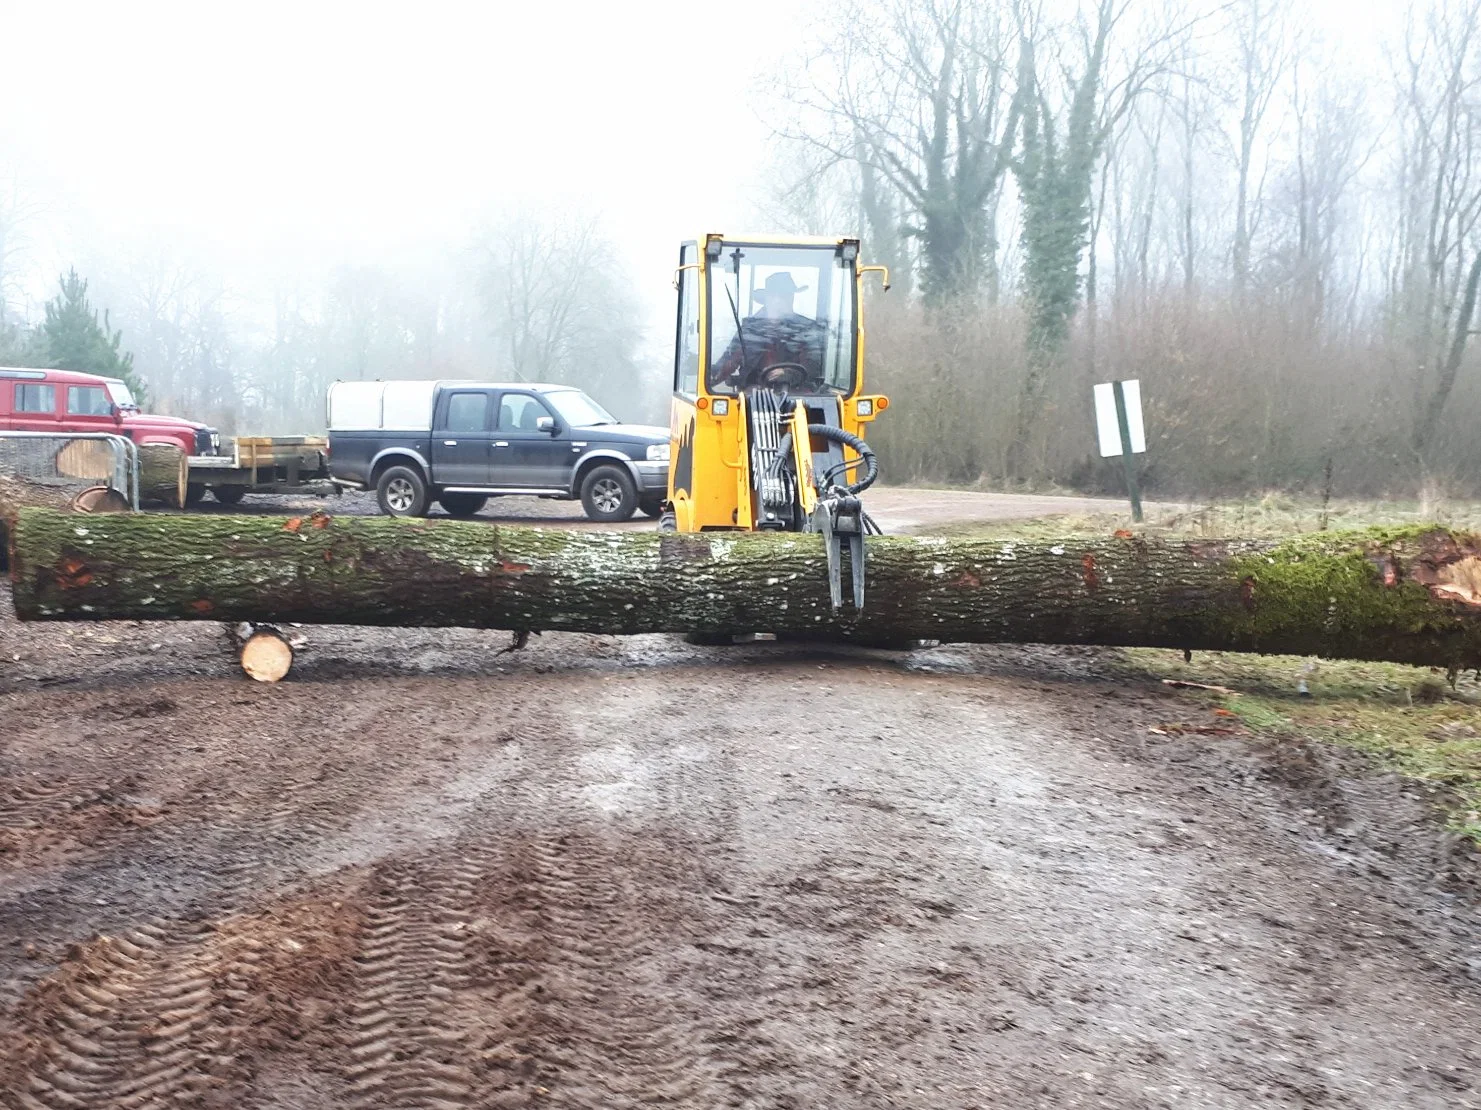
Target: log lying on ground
[(1409, 596)]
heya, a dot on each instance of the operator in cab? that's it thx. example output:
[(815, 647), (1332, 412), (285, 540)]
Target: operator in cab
[(778, 334)]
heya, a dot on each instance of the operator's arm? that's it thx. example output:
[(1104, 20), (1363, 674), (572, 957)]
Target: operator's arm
[(728, 366)]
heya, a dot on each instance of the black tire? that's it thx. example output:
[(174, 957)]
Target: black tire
[(668, 522), (229, 495), (653, 510), (609, 495), (401, 491), (462, 504), (195, 493)]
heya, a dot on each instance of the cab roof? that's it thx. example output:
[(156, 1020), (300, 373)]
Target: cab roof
[(41, 373)]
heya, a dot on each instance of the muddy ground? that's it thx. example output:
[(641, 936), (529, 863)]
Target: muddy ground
[(610, 872)]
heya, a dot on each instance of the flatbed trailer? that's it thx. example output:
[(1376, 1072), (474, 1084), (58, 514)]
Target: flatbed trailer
[(262, 464)]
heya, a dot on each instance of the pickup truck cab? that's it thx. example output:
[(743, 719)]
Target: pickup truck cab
[(461, 442), (62, 401)]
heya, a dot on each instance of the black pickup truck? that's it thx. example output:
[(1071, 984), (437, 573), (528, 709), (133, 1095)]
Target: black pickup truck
[(459, 443)]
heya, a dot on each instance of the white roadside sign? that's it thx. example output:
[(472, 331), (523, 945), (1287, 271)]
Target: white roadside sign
[(1106, 427)]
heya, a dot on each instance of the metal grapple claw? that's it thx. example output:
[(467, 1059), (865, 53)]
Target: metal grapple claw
[(840, 518)]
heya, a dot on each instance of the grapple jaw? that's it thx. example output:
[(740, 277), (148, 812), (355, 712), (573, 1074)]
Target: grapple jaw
[(840, 519)]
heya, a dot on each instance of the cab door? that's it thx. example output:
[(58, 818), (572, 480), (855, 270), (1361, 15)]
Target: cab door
[(89, 409), (525, 455), (462, 436)]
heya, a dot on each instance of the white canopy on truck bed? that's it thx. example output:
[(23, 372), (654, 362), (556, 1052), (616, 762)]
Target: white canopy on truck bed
[(404, 406)]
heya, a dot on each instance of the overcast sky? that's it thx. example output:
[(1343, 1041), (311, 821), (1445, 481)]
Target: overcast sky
[(297, 134), (282, 139)]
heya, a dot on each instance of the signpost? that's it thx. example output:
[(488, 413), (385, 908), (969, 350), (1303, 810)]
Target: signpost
[(1118, 425)]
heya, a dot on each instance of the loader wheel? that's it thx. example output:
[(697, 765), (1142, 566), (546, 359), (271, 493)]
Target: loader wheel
[(608, 495), (229, 495), (401, 492), (668, 522), (462, 504)]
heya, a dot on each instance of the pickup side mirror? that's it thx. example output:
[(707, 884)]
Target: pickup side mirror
[(545, 424), (113, 410)]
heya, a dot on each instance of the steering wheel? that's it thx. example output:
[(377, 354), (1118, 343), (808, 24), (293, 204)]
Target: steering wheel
[(789, 375)]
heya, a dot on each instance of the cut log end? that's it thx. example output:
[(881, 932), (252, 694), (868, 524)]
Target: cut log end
[(100, 499), (266, 655)]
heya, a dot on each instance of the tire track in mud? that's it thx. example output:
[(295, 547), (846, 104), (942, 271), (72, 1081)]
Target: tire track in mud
[(403, 1047), (607, 879), (131, 1023), (596, 1026)]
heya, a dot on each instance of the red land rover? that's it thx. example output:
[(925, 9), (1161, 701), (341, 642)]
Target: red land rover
[(68, 401)]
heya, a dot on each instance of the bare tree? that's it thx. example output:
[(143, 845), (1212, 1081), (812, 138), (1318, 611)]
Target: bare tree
[(1440, 177), (19, 211), (1329, 153), (556, 307), (925, 97), (1080, 96), (1261, 57)]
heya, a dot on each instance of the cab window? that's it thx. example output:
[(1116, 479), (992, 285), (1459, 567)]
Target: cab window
[(467, 412), (520, 412), (36, 398), (88, 400)]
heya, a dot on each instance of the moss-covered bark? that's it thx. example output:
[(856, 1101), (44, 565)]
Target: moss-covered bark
[(1410, 596)]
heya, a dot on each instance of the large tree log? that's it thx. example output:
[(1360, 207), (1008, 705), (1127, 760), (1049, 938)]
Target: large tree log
[(1403, 595)]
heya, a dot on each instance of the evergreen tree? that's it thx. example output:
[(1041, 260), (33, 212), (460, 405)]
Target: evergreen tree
[(76, 341)]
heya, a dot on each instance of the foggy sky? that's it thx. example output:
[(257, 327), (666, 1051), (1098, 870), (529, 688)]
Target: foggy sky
[(274, 140)]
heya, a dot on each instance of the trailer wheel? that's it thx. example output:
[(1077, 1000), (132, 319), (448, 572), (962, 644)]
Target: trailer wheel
[(402, 492), (229, 495), (195, 493)]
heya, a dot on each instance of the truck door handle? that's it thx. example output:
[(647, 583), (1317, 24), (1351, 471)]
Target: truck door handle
[(449, 443), (501, 443)]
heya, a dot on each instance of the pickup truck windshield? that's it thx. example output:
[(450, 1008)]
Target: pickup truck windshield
[(577, 409)]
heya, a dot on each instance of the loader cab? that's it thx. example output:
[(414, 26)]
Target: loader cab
[(778, 316)]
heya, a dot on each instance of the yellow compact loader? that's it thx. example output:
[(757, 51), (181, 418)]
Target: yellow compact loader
[(769, 407)]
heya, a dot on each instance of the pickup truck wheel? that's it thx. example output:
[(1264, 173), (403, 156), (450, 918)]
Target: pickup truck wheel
[(401, 492), (462, 504), (609, 495), (229, 495)]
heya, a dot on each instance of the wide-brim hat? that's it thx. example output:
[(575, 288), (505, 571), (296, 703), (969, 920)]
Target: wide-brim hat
[(780, 282)]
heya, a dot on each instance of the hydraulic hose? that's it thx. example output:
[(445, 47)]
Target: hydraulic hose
[(848, 439), (837, 435)]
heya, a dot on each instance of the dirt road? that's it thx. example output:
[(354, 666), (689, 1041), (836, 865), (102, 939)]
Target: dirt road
[(608, 873)]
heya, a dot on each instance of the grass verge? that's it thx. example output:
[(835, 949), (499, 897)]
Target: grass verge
[(1409, 719)]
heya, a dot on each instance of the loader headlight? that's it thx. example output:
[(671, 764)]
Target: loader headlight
[(720, 406), (658, 452), (865, 406)]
